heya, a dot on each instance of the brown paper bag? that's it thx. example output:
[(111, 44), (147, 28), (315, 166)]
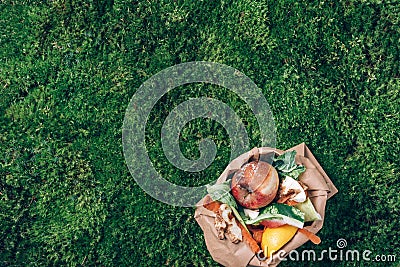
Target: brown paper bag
[(320, 189)]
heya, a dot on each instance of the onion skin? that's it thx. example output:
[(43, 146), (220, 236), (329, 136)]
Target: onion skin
[(255, 185)]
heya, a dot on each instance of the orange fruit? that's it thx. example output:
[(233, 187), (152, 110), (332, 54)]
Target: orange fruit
[(275, 238)]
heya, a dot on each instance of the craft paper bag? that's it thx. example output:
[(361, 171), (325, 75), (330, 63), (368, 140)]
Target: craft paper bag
[(320, 189)]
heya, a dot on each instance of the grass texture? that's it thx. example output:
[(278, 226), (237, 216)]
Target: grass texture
[(329, 70)]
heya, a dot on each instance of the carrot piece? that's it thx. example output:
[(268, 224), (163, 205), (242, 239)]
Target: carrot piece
[(291, 202), (249, 239), (211, 205), (313, 237), (257, 236)]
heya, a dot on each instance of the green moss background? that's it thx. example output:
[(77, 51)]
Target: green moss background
[(329, 70)]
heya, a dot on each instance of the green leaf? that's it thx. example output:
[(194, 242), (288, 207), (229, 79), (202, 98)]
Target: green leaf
[(239, 217), (221, 192), (278, 211), (310, 214), (286, 165), (296, 172)]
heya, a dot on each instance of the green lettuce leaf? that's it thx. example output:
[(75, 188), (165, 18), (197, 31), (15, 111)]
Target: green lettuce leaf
[(286, 165), (310, 214), (278, 211), (221, 192)]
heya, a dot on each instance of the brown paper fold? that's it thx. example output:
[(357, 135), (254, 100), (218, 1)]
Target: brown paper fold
[(320, 189)]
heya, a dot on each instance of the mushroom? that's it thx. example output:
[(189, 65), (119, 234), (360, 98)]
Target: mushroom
[(225, 223), (291, 189)]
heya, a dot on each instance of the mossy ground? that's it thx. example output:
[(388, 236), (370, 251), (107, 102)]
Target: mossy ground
[(329, 70)]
